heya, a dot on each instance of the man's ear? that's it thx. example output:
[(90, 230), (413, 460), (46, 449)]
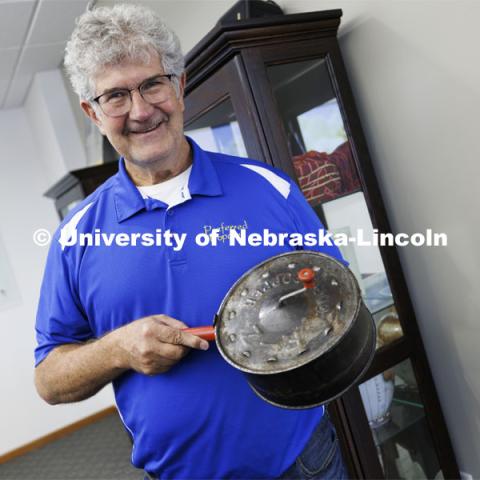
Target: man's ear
[(92, 114), (183, 81), (181, 84)]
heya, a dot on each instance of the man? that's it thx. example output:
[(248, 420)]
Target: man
[(116, 313)]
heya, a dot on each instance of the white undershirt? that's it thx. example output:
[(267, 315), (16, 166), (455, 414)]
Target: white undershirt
[(172, 191)]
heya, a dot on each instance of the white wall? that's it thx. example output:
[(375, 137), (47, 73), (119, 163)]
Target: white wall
[(54, 127), (24, 417), (415, 74)]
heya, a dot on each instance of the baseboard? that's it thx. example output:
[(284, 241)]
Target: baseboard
[(62, 432)]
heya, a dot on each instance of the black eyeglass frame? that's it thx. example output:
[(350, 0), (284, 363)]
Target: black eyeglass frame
[(169, 76)]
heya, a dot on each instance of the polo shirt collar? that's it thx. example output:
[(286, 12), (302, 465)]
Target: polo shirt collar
[(203, 181), (204, 177)]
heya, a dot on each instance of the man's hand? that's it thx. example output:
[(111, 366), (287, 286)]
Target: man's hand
[(150, 345), (155, 344)]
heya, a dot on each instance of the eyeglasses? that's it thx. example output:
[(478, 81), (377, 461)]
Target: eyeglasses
[(118, 102)]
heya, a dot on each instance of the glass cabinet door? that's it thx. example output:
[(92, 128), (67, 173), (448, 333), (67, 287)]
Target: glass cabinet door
[(218, 130), (396, 415), (220, 114), (308, 116), (324, 166)]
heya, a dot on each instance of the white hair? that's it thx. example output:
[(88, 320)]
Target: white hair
[(108, 36)]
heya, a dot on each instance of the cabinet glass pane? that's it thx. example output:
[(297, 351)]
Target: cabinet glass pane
[(397, 420), (348, 216), (64, 211), (323, 161), (321, 154), (217, 130)]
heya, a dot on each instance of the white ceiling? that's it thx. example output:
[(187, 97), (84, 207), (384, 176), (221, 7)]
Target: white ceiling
[(33, 34)]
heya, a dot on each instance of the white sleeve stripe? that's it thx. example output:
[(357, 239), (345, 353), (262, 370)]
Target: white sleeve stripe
[(68, 229), (276, 181)]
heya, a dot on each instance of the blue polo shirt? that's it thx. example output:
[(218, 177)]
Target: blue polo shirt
[(200, 419)]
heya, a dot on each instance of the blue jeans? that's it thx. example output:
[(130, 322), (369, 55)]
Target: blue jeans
[(321, 459)]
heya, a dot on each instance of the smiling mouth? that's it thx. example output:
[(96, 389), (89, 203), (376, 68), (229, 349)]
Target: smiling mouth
[(151, 129)]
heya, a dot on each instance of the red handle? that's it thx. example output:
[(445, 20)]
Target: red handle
[(206, 332), (307, 277)]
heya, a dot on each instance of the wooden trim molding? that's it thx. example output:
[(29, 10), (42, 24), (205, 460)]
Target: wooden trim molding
[(57, 434)]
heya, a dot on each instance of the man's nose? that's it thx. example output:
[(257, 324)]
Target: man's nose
[(141, 109)]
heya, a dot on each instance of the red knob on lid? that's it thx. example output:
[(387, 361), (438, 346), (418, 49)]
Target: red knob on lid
[(307, 277)]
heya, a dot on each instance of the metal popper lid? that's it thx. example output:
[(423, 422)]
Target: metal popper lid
[(287, 311)]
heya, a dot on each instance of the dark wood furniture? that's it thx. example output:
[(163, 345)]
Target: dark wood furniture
[(77, 184), (276, 89)]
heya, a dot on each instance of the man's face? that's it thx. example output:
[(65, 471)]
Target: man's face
[(148, 133)]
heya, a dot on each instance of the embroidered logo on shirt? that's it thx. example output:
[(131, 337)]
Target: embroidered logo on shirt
[(223, 230)]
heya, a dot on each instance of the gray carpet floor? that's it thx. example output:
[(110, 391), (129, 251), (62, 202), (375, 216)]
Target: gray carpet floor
[(100, 451)]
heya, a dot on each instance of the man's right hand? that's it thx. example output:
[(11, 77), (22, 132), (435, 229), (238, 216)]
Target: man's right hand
[(150, 345), (154, 344)]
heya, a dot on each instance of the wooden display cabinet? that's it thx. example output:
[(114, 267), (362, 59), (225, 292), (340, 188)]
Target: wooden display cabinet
[(275, 89), (78, 184)]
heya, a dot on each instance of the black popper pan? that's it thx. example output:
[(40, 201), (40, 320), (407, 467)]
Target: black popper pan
[(297, 327)]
